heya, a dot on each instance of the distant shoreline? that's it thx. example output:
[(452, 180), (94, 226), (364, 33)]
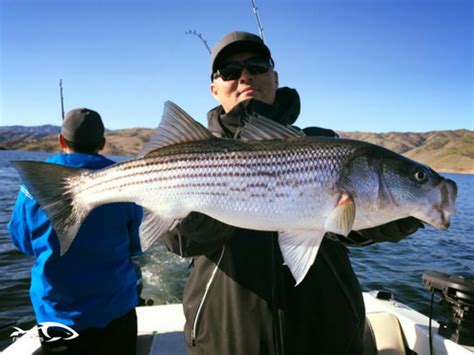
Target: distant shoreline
[(443, 151), (464, 172)]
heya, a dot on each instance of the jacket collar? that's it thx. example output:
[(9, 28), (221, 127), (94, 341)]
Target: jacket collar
[(285, 110)]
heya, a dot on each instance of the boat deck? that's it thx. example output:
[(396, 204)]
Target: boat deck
[(160, 331)]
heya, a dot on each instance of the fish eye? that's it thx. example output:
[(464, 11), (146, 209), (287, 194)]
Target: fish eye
[(420, 175)]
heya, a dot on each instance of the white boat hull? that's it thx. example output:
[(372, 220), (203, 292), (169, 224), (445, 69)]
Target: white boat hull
[(160, 331)]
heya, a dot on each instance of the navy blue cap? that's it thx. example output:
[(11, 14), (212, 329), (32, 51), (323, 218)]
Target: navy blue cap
[(83, 126)]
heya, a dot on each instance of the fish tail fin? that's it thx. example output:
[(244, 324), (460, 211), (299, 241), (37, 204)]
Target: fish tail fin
[(52, 186)]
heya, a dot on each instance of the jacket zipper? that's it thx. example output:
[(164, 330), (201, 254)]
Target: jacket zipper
[(181, 253), (208, 285)]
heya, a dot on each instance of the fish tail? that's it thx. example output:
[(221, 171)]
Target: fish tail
[(52, 186)]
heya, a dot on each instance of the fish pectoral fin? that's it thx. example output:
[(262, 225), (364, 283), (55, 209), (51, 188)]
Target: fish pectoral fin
[(152, 227), (299, 250), (176, 126), (342, 218)]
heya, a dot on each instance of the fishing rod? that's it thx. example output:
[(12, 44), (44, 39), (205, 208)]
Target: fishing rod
[(62, 98), (194, 32), (204, 41), (259, 24)]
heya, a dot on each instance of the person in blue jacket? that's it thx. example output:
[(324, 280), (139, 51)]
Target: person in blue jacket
[(93, 287)]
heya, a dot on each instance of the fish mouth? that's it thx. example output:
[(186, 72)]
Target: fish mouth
[(443, 222), (449, 193), (445, 206)]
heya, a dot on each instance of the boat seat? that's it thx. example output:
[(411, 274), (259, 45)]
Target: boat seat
[(383, 335)]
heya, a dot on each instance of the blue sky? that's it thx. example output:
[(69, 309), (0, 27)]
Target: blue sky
[(359, 65)]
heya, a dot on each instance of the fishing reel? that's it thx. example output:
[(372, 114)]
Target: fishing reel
[(457, 295)]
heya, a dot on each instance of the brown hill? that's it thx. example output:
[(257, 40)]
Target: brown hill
[(124, 142), (446, 151), (127, 141)]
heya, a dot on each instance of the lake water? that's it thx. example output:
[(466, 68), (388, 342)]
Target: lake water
[(395, 267)]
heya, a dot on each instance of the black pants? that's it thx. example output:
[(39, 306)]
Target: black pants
[(118, 337)]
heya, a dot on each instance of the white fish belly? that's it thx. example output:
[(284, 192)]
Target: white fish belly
[(281, 213)]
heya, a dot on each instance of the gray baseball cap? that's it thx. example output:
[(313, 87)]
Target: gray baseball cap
[(83, 126), (235, 42)]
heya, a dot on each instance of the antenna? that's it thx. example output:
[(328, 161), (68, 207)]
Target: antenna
[(193, 32), (259, 25), (62, 98)]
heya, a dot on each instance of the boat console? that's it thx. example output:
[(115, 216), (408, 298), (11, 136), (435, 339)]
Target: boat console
[(457, 302)]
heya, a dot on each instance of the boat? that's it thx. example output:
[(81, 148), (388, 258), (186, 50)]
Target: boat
[(392, 328)]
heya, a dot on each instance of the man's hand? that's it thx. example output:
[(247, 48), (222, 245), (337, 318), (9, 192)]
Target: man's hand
[(393, 231), (201, 228)]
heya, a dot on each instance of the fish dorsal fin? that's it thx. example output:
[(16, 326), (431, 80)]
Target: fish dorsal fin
[(176, 126), (299, 250), (262, 128)]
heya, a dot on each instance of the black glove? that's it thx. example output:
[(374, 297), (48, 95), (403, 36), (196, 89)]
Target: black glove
[(393, 231), (203, 229)]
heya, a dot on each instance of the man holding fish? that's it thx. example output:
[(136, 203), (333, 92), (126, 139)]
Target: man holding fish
[(241, 297)]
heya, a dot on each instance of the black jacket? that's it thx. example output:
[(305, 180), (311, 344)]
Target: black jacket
[(241, 299)]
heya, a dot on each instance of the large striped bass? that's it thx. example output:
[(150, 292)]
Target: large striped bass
[(273, 179)]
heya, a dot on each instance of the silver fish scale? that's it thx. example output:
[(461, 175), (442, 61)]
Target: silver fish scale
[(241, 183)]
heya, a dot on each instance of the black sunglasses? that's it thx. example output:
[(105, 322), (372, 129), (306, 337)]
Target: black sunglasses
[(233, 70)]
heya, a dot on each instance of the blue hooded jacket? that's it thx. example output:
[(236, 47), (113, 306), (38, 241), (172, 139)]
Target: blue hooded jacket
[(95, 281)]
